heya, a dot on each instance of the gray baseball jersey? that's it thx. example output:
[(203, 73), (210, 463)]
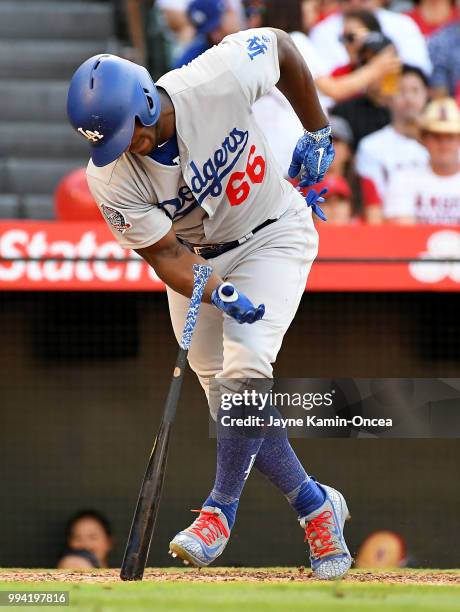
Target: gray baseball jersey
[(220, 182), (224, 181)]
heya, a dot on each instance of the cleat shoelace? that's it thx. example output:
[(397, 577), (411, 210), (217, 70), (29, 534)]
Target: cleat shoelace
[(319, 536), (212, 523)]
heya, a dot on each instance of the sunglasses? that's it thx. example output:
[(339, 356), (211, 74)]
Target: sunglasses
[(347, 38)]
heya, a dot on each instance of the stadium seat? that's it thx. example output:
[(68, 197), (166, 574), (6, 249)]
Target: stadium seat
[(48, 59), (42, 42), (38, 207), (25, 139), (39, 176), (32, 99), (9, 206), (49, 20), (2, 176)]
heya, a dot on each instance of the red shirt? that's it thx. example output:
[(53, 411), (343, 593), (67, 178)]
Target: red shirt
[(342, 70), (427, 28)]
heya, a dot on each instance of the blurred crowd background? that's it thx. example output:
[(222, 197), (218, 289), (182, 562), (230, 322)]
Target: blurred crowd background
[(376, 66), (388, 74)]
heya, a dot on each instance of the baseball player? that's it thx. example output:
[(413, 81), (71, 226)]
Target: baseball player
[(182, 174)]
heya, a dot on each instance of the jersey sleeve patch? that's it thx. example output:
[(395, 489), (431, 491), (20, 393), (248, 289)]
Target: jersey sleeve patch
[(257, 45), (115, 218)]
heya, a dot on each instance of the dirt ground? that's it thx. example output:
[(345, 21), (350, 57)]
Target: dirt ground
[(298, 574)]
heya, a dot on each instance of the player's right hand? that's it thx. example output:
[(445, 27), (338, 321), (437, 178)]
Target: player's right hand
[(235, 304)]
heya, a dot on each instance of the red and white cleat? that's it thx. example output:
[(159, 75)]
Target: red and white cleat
[(205, 539)]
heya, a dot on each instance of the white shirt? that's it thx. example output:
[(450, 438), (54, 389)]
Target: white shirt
[(310, 54), (173, 5), (276, 117), (401, 29), (386, 151), (422, 194)]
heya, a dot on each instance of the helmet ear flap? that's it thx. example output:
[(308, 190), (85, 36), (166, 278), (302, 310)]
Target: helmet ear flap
[(148, 104), (149, 98)]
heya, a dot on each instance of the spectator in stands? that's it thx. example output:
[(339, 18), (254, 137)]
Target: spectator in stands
[(444, 49), (274, 113), (88, 541), (356, 26), (349, 82), (175, 15), (254, 10), (342, 136), (206, 17), (401, 29), (432, 194), (237, 8), (343, 164), (312, 12), (431, 15), (151, 41), (382, 549), (369, 112), (338, 205), (395, 146), (212, 20), (135, 16)]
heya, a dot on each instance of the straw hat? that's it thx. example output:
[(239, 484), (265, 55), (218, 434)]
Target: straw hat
[(442, 117)]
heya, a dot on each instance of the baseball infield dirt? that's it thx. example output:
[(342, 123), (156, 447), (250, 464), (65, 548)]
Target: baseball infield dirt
[(280, 575)]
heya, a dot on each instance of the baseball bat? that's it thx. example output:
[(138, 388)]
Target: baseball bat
[(148, 503)]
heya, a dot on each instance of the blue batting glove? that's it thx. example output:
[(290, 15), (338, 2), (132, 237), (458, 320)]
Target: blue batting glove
[(312, 199), (235, 304), (312, 157)]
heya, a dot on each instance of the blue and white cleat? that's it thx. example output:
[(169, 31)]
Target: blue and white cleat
[(329, 555), (205, 539)]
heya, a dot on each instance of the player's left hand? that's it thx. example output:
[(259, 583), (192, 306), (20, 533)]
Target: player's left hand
[(312, 157), (236, 304)]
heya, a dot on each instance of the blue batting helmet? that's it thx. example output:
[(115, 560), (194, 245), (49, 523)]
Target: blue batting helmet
[(105, 96)]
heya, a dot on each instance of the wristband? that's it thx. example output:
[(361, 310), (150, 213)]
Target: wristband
[(227, 293)]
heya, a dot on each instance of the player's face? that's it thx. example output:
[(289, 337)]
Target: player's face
[(88, 534), (144, 139)]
